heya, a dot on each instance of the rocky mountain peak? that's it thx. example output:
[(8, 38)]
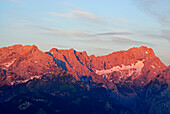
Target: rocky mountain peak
[(125, 74), (140, 63)]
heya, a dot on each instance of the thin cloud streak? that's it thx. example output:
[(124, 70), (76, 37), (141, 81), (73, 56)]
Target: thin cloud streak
[(98, 37), (121, 20), (83, 15), (114, 40), (76, 33), (113, 33), (54, 45), (128, 41), (79, 14), (66, 15), (57, 31), (164, 35)]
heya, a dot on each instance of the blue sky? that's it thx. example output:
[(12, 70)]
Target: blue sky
[(96, 26)]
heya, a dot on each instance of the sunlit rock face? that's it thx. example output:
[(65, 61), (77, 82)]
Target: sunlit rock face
[(137, 66), (22, 63)]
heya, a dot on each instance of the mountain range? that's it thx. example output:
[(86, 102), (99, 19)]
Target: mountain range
[(132, 81)]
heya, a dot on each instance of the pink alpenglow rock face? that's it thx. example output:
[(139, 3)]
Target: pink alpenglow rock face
[(21, 63), (138, 65)]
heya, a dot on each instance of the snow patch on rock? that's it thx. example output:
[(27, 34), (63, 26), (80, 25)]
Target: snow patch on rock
[(26, 80), (8, 64), (134, 67), (152, 66)]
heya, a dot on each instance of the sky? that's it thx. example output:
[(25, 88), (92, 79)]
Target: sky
[(99, 27)]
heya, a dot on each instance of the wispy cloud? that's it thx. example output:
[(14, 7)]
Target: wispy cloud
[(121, 20), (159, 9), (127, 41), (164, 35), (76, 33), (83, 15), (79, 14), (54, 45), (56, 30), (112, 33), (67, 15), (114, 40), (106, 37)]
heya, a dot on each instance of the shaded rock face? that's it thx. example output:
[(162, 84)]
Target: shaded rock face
[(155, 95), (78, 63), (58, 94)]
